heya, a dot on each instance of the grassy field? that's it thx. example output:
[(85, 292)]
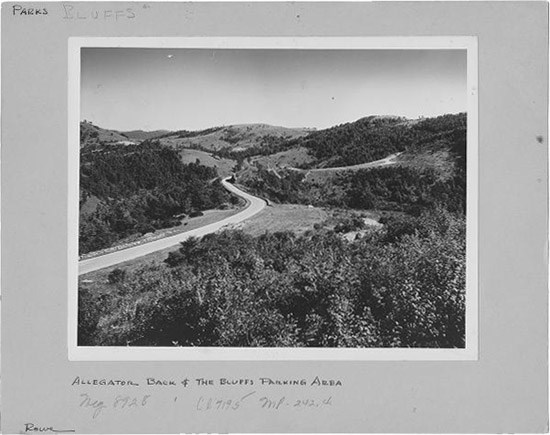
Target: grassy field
[(283, 217), (224, 166)]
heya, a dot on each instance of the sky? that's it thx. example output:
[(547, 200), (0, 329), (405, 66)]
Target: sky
[(192, 89)]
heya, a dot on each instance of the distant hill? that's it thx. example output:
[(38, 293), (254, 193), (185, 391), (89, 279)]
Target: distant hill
[(234, 138), (141, 135), (438, 143), (92, 134)]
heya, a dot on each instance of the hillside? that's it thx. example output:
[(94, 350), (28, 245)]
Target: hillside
[(96, 137), (91, 134), (224, 167), (136, 189), (377, 162), (376, 137), (370, 142), (385, 163), (141, 135), (235, 138)]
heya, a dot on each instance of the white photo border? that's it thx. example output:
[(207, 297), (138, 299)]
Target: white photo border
[(104, 353)]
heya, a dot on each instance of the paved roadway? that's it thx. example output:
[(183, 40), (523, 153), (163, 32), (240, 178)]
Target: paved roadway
[(390, 160), (255, 205)]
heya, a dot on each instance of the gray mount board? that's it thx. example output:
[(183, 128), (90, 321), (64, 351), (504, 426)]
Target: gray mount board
[(505, 390)]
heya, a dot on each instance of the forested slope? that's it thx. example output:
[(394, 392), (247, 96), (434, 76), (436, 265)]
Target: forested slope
[(373, 138), (430, 171), (140, 188)]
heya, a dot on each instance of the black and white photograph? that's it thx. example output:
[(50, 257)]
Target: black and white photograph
[(273, 198), (274, 217)]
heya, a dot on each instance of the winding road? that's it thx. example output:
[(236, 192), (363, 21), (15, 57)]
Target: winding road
[(386, 161), (255, 205)]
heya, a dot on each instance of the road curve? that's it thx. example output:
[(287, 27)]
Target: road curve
[(255, 205), (389, 160)]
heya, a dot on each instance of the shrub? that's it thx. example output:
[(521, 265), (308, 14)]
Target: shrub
[(116, 276), (349, 224), (280, 289)]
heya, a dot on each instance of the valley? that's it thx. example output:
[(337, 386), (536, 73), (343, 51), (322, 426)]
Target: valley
[(198, 230)]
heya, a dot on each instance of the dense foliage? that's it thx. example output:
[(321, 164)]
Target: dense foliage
[(375, 138), (347, 284), (403, 189), (402, 286), (396, 188), (140, 188), (431, 171)]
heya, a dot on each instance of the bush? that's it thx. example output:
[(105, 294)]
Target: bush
[(280, 289), (349, 224), (398, 226), (116, 276)]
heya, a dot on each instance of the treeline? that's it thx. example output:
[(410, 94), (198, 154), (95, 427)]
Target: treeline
[(183, 134), (401, 286), (139, 189)]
